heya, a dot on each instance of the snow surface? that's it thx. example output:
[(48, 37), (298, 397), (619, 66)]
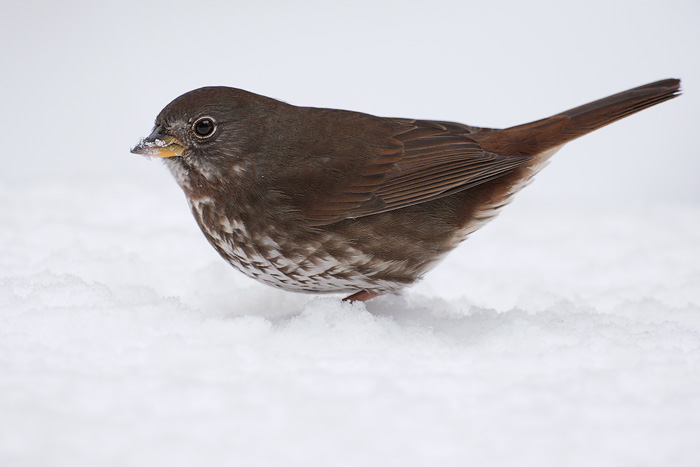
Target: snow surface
[(557, 335)]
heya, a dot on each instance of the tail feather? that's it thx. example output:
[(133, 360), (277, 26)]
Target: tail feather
[(540, 136)]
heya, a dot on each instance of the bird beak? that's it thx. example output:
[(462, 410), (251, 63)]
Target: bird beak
[(159, 144)]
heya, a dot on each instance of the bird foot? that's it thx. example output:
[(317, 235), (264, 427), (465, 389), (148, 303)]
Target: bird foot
[(361, 296)]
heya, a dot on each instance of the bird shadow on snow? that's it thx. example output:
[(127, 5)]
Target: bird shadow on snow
[(216, 296), (455, 321)]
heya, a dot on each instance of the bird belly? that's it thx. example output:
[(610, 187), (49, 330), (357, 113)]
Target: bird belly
[(318, 262)]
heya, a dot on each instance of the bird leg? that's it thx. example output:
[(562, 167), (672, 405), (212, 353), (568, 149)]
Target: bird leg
[(361, 296)]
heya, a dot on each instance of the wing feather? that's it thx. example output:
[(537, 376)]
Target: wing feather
[(420, 161)]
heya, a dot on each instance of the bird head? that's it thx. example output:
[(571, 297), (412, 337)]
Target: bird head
[(208, 129)]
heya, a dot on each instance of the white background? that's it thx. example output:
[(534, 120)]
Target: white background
[(565, 333), (83, 80)]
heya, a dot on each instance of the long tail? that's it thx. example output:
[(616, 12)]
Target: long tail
[(540, 136)]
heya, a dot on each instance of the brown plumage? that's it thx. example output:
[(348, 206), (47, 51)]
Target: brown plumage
[(325, 201)]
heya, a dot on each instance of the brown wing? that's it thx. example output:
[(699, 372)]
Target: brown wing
[(424, 160)]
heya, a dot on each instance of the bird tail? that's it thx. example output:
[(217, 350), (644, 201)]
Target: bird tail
[(532, 139)]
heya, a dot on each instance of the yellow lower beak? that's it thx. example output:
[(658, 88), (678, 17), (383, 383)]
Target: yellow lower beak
[(159, 144)]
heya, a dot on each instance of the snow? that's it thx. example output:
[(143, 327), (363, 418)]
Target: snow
[(557, 335), (564, 333)]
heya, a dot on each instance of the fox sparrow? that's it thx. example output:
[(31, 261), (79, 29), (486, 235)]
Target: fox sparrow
[(325, 201)]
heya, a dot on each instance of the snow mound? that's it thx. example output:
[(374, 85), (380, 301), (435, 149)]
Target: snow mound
[(558, 335)]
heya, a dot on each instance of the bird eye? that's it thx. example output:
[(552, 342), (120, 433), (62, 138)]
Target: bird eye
[(204, 127)]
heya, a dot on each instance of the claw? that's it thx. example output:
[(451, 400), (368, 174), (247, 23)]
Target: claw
[(361, 296)]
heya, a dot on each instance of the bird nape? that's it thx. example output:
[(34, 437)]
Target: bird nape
[(333, 201)]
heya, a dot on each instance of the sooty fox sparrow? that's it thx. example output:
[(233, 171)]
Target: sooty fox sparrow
[(323, 201)]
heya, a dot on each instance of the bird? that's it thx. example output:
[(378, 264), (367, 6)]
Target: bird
[(320, 200)]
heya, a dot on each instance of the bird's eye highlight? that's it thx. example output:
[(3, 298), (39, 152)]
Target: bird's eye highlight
[(204, 127)]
